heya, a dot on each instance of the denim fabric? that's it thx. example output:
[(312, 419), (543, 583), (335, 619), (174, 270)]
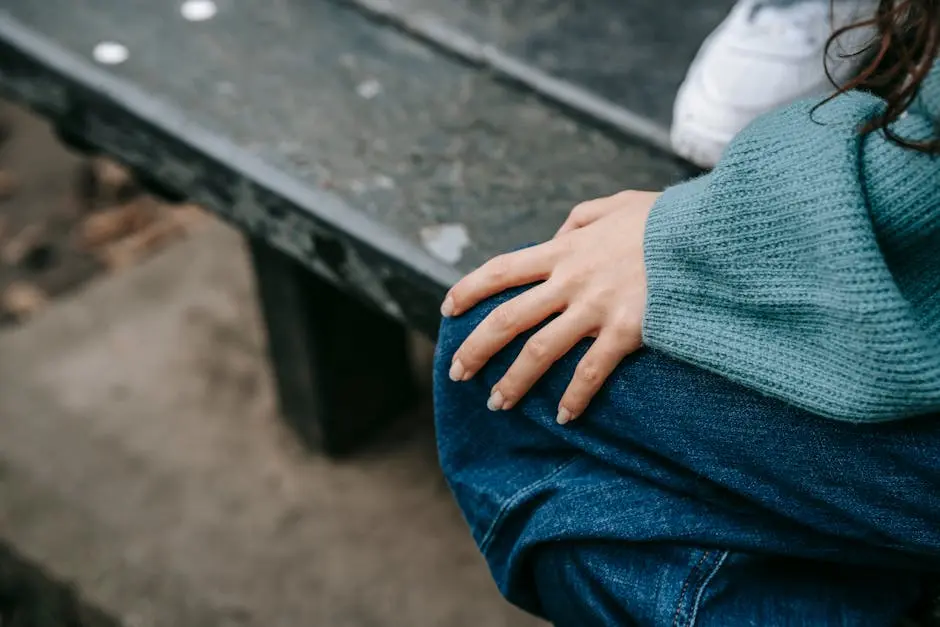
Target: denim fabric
[(681, 498)]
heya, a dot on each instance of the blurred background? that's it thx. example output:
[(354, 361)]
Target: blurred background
[(145, 478)]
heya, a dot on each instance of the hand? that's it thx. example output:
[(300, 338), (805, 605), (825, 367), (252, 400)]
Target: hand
[(591, 273)]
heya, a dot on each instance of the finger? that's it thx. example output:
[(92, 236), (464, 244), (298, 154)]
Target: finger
[(542, 350), (590, 211), (591, 373), (503, 324), (498, 274)]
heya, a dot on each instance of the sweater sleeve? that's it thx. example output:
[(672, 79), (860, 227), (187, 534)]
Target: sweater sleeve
[(807, 264)]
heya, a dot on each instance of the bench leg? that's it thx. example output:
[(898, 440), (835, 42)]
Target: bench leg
[(341, 368)]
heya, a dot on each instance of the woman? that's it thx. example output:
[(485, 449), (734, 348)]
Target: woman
[(717, 405)]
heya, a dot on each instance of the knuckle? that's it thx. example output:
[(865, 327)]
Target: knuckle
[(564, 276), (581, 208), (602, 295), (562, 247), (624, 325), (586, 317), (537, 349), (620, 334), (503, 318), (560, 279), (588, 373), (498, 267)]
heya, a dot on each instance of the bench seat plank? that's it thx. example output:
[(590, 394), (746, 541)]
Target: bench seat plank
[(321, 131), (632, 54)]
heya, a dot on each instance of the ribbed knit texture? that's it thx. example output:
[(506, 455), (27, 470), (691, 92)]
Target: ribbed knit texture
[(806, 265)]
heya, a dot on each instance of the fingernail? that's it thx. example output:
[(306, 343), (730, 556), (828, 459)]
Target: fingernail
[(564, 416), (495, 402), (447, 307), (457, 371)]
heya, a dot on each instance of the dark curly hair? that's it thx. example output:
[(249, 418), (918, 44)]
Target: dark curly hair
[(904, 51)]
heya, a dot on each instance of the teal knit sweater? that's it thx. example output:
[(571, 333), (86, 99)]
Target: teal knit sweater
[(807, 264)]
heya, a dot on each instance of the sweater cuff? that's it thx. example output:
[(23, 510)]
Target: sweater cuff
[(668, 285)]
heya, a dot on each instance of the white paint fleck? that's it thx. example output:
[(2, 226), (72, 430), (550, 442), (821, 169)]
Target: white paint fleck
[(110, 53), (198, 10), (357, 187), (384, 182), (369, 89), (445, 241)]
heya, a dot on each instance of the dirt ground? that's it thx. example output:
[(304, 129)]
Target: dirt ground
[(64, 219)]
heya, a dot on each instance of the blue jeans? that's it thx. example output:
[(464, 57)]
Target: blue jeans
[(681, 498)]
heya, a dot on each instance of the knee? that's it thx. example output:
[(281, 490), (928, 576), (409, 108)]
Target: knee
[(465, 428), (454, 331), (472, 447), (453, 400)]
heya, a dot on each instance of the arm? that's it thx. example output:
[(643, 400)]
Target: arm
[(807, 264)]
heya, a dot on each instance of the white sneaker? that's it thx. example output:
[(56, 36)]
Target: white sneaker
[(759, 58)]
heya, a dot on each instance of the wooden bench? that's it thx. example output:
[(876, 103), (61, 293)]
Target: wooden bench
[(370, 150)]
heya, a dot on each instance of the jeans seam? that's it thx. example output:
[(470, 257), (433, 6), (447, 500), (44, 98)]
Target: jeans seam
[(685, 586), (515, 498), (704, 584)]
